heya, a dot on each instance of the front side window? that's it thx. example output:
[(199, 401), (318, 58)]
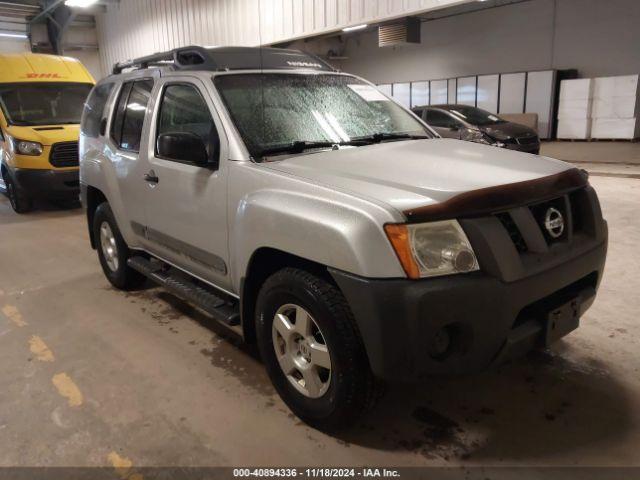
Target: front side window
[(275, 110), (94, 109), (34, 104), (184, 110), (126, 128)]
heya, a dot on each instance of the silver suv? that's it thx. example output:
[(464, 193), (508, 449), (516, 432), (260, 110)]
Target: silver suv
[(306, 211)]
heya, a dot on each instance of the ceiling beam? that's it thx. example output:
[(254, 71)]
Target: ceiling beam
[(47, 11)]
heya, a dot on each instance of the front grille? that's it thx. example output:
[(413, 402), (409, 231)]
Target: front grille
[(64, 154), (576, 219), (512, 230), (543, 212), (529, 140)]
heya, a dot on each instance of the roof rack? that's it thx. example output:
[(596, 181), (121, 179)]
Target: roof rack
[(228, 58)]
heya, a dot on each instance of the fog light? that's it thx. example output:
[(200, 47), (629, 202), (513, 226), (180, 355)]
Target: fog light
[(439, 344)]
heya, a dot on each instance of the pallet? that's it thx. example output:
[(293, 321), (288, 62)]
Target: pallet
[(626, 140), (610, 140)]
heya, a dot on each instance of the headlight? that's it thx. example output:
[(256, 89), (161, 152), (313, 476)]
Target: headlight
[(432, 249), (472, 135), (24, 147), (477, 136)]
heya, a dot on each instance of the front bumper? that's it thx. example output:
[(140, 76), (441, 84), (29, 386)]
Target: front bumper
[(488, 320), (499, 312), (48, 183)]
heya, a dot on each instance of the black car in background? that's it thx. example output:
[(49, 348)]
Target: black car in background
[(476, 125)]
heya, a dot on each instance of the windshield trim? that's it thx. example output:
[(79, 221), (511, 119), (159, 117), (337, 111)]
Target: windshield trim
[(430, 132), (14, 123)]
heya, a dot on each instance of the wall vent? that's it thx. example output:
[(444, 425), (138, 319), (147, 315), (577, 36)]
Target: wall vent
[(400, 33)]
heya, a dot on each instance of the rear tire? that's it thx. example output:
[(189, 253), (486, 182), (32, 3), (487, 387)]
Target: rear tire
[(113, 252), (339, 394), (20, 201)]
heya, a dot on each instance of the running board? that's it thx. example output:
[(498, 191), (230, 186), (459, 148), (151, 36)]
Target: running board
[(222, 310)]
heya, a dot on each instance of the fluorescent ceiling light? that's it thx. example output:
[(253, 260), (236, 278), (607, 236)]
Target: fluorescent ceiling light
[(13, 35), (356, 27), (80, 3)]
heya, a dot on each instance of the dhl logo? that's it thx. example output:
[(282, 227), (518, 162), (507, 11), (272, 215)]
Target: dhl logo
[(43, 75)]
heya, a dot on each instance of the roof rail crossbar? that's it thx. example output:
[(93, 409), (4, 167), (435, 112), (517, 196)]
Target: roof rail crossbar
[(226, 58)]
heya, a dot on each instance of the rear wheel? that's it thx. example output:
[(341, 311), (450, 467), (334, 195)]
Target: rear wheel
[(113, 251), (312, 349), (20, 201)]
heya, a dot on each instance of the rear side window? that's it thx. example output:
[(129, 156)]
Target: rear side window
[(126, 128), (184, 110), (94, 109)]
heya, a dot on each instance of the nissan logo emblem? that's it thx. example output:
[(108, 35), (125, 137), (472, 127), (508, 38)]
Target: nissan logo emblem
[(554, 222)]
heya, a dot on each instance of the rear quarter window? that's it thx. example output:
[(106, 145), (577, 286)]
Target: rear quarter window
[(129, 115), (93, 112)]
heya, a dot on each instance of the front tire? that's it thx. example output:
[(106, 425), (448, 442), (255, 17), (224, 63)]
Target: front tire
[(113, 252), (20, 201), (312, 350)]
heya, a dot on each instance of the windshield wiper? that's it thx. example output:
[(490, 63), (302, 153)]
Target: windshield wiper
[(383, 136), (300, 146)]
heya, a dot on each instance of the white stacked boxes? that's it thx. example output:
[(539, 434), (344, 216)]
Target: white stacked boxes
[(574, 109), (616, 108)]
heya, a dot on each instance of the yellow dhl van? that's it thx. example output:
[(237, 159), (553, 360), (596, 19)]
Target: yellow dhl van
[(41, 102)]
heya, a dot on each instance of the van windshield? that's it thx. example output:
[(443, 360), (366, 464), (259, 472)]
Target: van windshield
[(285, 113), (28, 104)]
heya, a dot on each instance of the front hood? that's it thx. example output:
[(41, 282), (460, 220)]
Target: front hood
[(418, 173), (45, 134), (503, 131)]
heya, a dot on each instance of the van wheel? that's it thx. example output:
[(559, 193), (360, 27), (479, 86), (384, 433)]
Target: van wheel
[(113, 251), (19, 200), (310, 344)]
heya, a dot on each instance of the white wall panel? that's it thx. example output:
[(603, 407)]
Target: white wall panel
[(452, 91), (402, 93), (438, 92), (512, 92), (488, 92), (467, 91), (540, 87), (419, 94), (386, 89), (133, 28)]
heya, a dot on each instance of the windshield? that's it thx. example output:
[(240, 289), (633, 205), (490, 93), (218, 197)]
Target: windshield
[(476, 116), (279, 110), (43, 103)]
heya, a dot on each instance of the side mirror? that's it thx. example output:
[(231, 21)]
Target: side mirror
[(183, 147)]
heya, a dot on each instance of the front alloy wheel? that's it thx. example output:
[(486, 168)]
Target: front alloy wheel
[(109, 246), (301, 350), (312, 349)]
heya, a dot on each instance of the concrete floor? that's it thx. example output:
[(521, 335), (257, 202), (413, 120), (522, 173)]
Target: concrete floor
[(93, 376)]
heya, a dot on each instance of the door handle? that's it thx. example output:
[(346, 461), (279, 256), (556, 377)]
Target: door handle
[(151, 177)]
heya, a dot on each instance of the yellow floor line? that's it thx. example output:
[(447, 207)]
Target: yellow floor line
[(40, 349), (68, 389), (14, 315), (122, 466)]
